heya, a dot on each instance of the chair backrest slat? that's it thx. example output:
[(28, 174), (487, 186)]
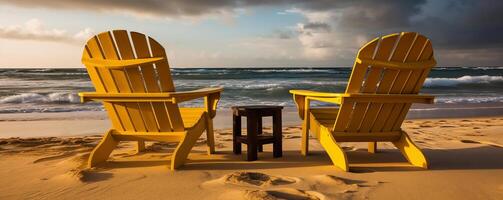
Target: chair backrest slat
[(391, 78), (133, 79), (145, 78), (166, 84), (372, 80), (355, 84), (101, 79), (404, 48)]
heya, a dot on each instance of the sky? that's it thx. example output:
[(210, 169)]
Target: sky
[(260, 33)]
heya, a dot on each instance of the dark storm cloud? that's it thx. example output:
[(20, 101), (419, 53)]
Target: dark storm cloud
[(463, 24), (451, 24), (188, 7)]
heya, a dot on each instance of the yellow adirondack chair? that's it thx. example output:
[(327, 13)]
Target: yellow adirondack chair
[(131, 75), (386, 78)]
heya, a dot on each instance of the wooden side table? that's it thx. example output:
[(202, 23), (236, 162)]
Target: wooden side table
[(254, 138)]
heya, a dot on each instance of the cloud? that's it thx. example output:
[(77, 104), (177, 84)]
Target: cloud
[(34, 29), (143, 8), (331, 28), (283, 34), (458, 28), (317, 26)]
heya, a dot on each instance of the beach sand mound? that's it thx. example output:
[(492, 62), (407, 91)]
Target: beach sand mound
[(334, 184), (262, 186), (282, 193), (256, 178)]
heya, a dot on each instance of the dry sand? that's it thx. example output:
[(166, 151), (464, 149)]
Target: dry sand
[(466, 159)]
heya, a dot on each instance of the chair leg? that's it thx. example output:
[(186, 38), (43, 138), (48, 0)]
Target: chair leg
[(411, 151), (103, 150), (140, 147), (304, 149), (183, 149), (372, 147), (334, 151), (210, 136)]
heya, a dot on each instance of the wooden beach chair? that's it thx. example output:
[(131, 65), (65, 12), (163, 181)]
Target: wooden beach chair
[(131, 75), (386, 78)]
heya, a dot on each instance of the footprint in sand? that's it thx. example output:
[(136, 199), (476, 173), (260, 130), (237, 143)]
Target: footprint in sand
[(291, 136), (470, 141), (256, 179), (260, 186), (425, 125), (282, 193), (334, 184)]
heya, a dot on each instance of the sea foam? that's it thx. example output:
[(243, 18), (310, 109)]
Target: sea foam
[(58, 97), (450, 82)]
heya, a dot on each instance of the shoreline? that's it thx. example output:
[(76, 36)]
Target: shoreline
[(61, 124)]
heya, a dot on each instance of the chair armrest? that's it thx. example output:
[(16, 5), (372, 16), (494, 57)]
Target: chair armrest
[(126, 97), (389, 98), (315, 93), (302, 99), (174, 97), (211, 97), (194, 94)]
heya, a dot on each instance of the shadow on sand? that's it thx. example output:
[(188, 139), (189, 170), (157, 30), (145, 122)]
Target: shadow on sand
[(482, 157)]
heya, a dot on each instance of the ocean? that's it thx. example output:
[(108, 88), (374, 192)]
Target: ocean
[(55, 90)]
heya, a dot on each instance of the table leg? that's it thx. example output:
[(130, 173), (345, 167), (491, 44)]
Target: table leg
[(259, 132), (251, 135), (277, 134), (236, 132)]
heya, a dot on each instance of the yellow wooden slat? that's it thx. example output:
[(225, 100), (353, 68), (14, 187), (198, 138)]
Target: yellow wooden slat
[(358, 74), (104, 74), (118, 77), (426, 54), (166, 83), (400, 110), (92, 71), (162, 68), (98, 77), (343, 117), (135, 81), (391, 111), (388, 79), (355, 84), (398, 65), (151, 84), (150, 136), (384, 50), (119, 64)]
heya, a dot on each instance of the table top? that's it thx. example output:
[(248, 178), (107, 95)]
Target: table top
[(257, 107), (260, 110)]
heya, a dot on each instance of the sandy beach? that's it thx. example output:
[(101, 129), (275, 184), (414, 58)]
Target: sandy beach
[(464, 155)]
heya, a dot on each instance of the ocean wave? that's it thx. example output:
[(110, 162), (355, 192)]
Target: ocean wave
[(470, 99), (58, 97), (292, 70), (450, 82)]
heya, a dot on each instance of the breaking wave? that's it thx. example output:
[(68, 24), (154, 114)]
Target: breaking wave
[(464, 80), (58, 97)]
